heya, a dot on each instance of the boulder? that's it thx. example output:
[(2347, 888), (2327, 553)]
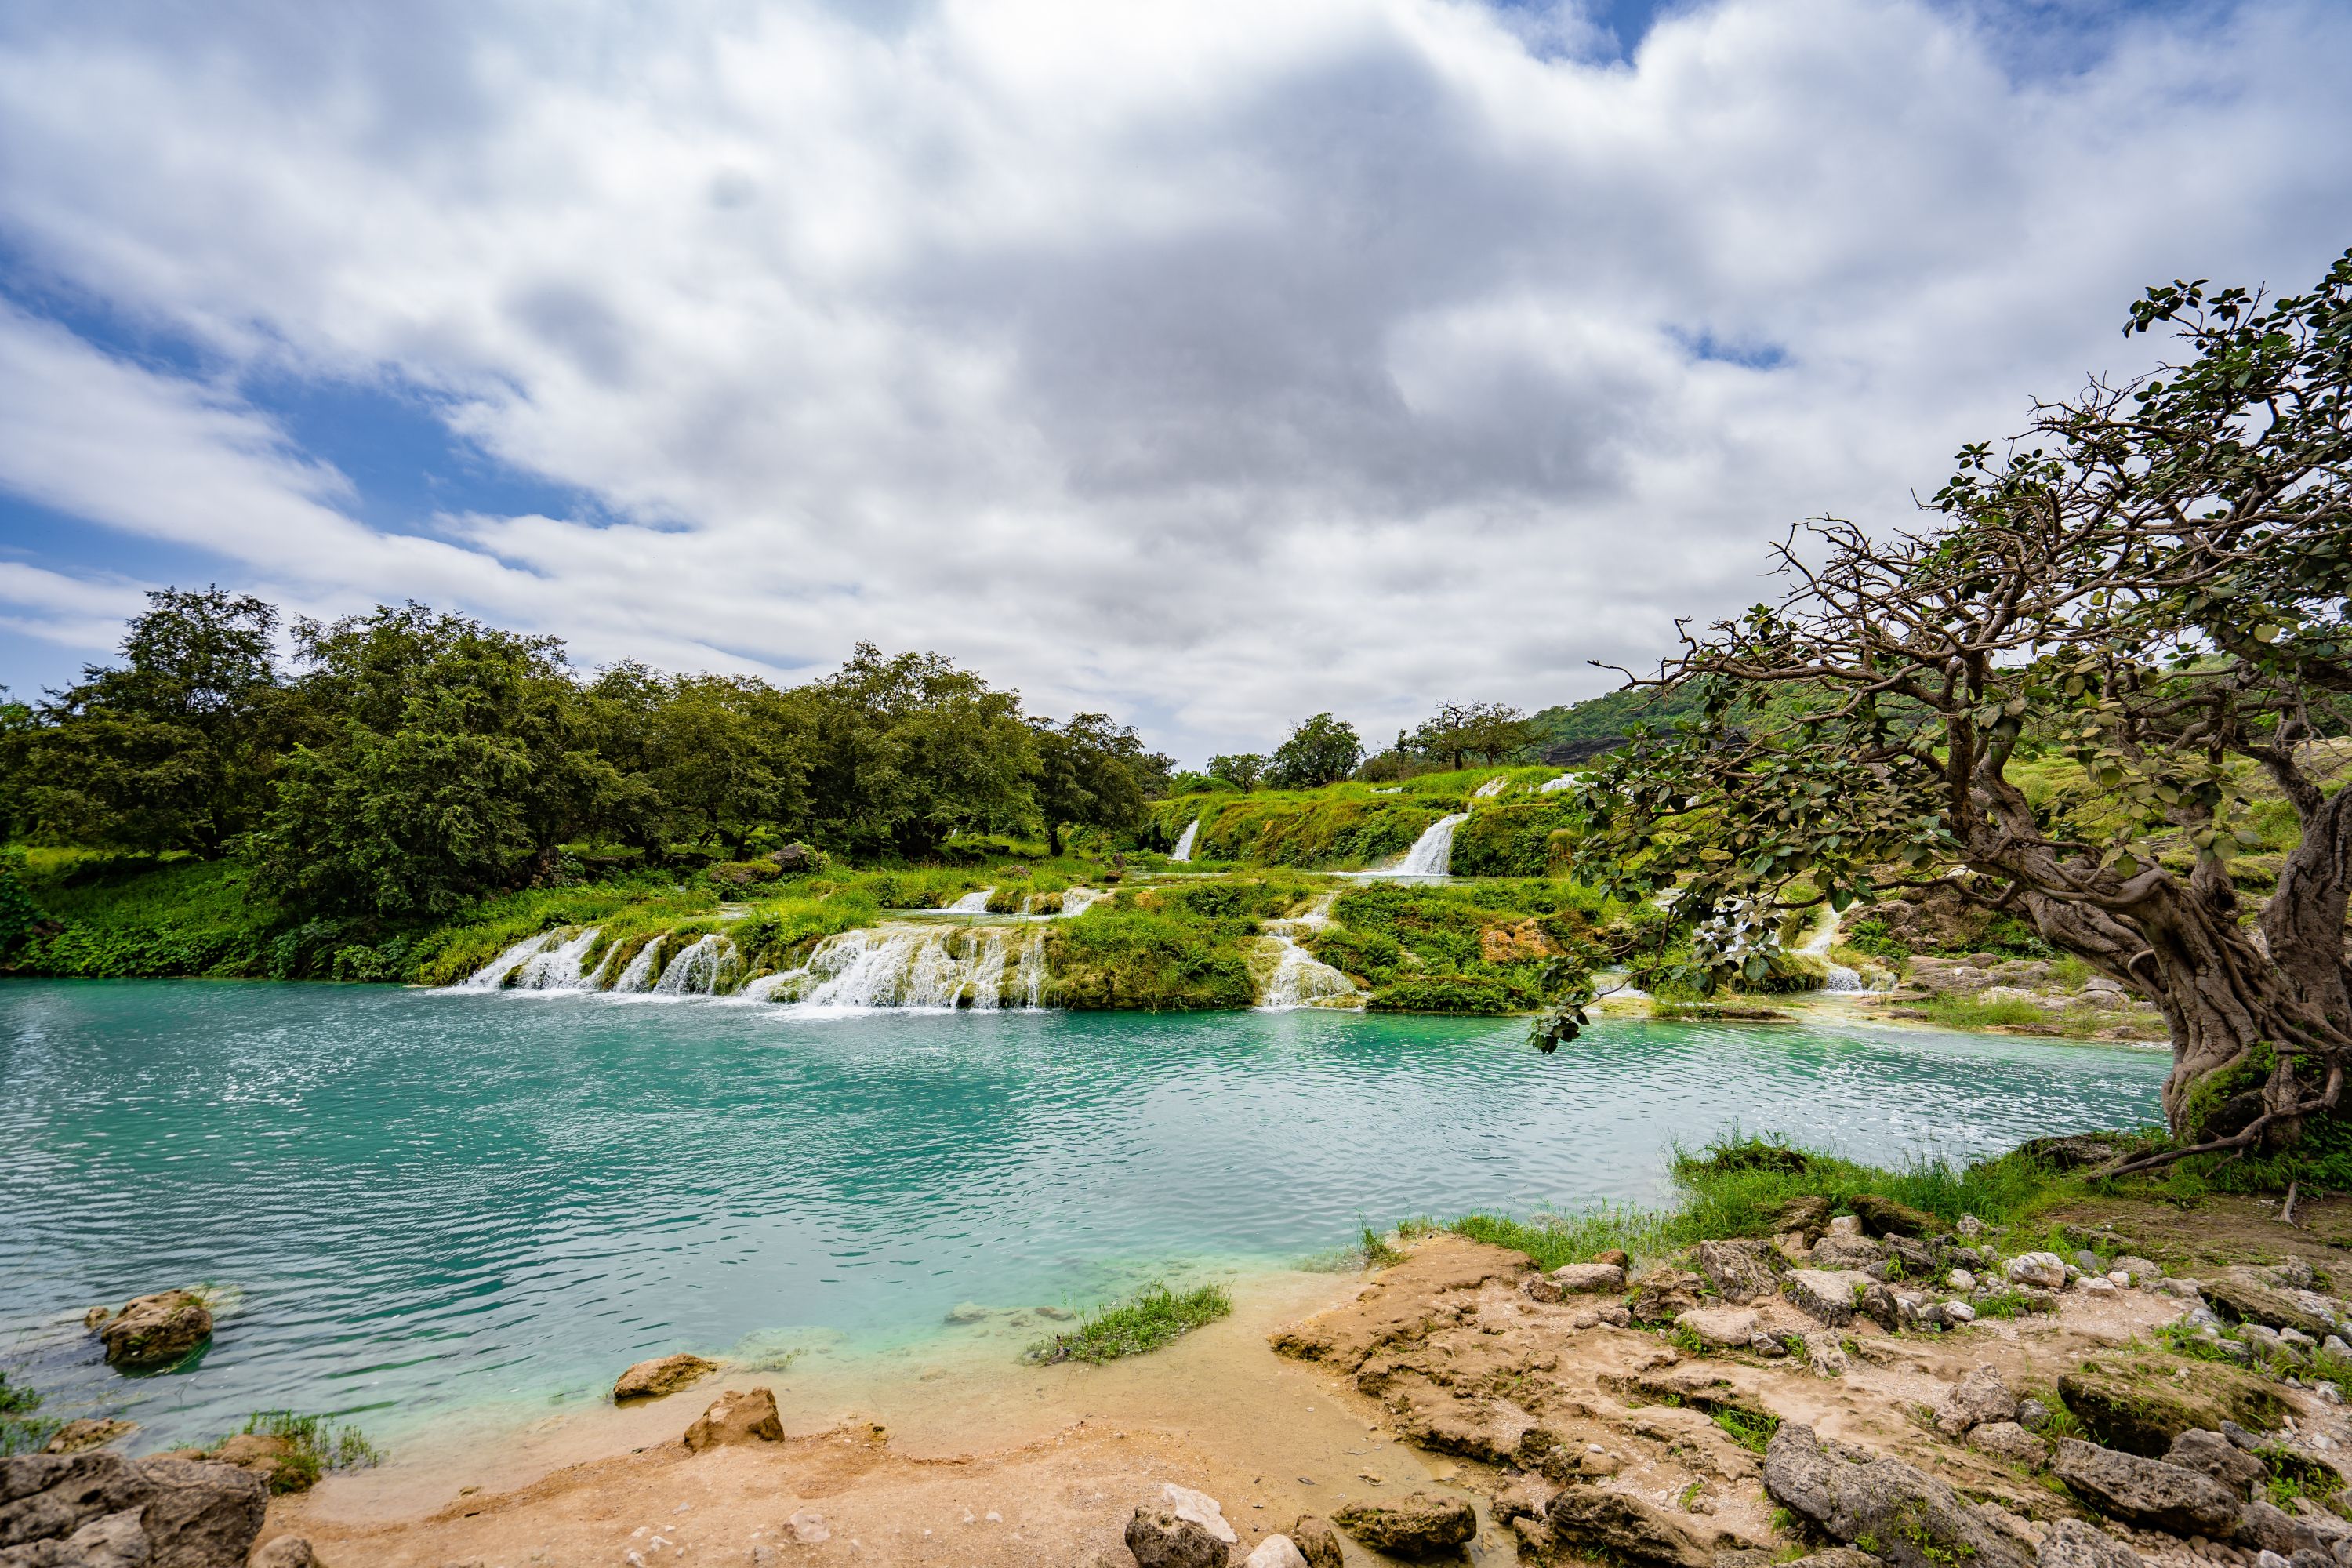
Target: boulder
[(749, 1416), (1881, 1306), (2148, 1491), (1580, 1278), (110, 1541), (797, 858), (1720, 1327), (1276, 1551), (1619, 1527), (1665, 1294), (2010, 1443), (663, 1376), (285, 1552), (2137, 1418), (2240, 1301), (1808, 1214), (2072, 1544), (1919, 1259), (1826, 1295), (2197, 1450), (1909, 1518), (155, 1331), (2042, 1271), (1824, 1354), (1161, 1540), (1834, 1557), (1884, 1216), (1741, 1271), (87, 1432), (1834, 1251), (1316, 1541), (164, 1513), (2264, 1527), (1978, 1398), (1201, 1508), (1418, 1526)]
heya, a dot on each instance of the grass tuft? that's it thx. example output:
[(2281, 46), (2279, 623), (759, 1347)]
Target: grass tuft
[(316, 1446), (1145, 1321)]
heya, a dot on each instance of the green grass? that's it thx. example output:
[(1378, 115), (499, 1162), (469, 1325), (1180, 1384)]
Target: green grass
[(1752, 1430), (1145, 1321), (318, 1444), (1554, 1239), (21, 1431)]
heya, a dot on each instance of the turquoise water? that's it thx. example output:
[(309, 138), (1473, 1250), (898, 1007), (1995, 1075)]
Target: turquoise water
[(427, 1201)]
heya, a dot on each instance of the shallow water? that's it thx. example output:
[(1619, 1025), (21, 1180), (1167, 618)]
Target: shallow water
[(424, 1203)]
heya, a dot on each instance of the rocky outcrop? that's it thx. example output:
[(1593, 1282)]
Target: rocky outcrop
[(2144, 1416), (663, 1376), (1665, 1294), (95, 1509), (2241, 1300), (88, 1432), (1741, 1271), (285, 1552), (1614, 1526), (1276, 1551), (1160, 1539), (2146, 1491), (1978, 1398), (1418, 1526), (1575, 1278), (1884, 1216), (1721, 1328), (2072, 1544), (1826, 1295), (2010, 1443), (1855, 1252), (2266, 1527), (1316, 1541), (2219, 1458), (1889, 1508), (155, 1331), (748, 1416)]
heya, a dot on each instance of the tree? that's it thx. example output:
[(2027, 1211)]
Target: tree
[(1244, 772), (1321, 751), (727, 758), (2153, 583), (1493, 731), (1090, 772)]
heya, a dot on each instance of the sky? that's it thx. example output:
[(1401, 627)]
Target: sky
[(1209, 365)]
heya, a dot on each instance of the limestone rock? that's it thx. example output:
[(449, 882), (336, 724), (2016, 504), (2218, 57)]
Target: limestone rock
[(1836, 1557), (1276, 1551), (662, 1375), (1741, 1271), (1881, 1306), (155, 1331), (1616, 1256), (287, 1551), (2010, 1443), (1316, 1541), (2138, 1418), (1826, 1295), (1614, 1525), (1161, 1540), (2072, 1544), (1808, 1214), (2197, 1450), (1979, 1397), (87, 1432), (1665, 1294), (2043, 1270), (1884, 1216), (1201, 1508), (1835, 1251), (1584, 1278), (1825, 1355), (180, 1514), (1527, 1496), (1722, 1326), (110, 1541), (1846, 1224), (1911, 1519), (808, 1528), (1542, 1287), (749, 1416), (2266, 1527), (1416, 1526), (2241, 1300), (2148, 1491)]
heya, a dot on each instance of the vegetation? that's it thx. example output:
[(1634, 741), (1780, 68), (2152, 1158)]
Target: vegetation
[(1321, 751), (22, 1431), (1145, 1321), (310, 1446)]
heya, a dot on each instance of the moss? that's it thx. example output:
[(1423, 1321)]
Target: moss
[(1517, 838), (1155, 961)]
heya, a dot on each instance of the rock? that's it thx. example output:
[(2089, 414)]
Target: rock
[(749, 1416), (154, 1512), (95, 1316), (1276, 1551), (155, 1331), (1416, 1526), (110, 1541), (1161, 1540), (1960, 1279), (1615, 1256), (2197, 1450), (1527, 1496), (2140, 1268), (663, 1376), (1884, 1216), (2010, 1443), (287, 1551), (262, 1455), (2096, 1285), (1918, 1259), (1715, 1327), (1911, 1519), (1542, 1287), (2146, 1491), (1582, 1279), (2032, 1414), (1808, 1214), (1825, 1355), (2240, 1301), (1201, 1508), (1967, 1225), (87, 1432), (797, 858), (1316, 1541), (1741, 1271), (1957, 1311), (1826, 1295), (2072, 1544), (1845, 1225), (1879, 1304), (2045, 1271), (2138, 1418), (1665, 1294), (1835, 1251), (2264, 1527), (808, 1529), (1624, 1529), (1979, 1397), (1834, 1557)]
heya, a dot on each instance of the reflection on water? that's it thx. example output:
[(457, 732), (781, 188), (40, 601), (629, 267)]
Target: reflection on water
[(427, 1199)]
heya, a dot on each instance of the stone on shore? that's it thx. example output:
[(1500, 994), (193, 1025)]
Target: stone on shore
[(1665, 1294), (2266, 1527), (2148, 1491), (2010, 1443), (1417, 1525), (87, 1432), (99, 1509), (748, 1416), (1741, 1271), (662, 1375), (1978, 1398), (1614, 1525), (2043, 1270), (1836, 1251), (1722, 1327), (1911, 1519), (2241, 1300), (1159, 1538), (1318, 1541), (1581, 1279), (285, 1552), (1884, 1216), (1826, 1295), (157, 1330), (1201, 1508), (1276, 1551)]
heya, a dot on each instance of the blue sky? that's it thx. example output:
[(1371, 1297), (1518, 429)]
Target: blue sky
[(1206, 365)]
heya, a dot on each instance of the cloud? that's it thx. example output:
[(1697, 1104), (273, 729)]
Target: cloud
[(1212, 365)]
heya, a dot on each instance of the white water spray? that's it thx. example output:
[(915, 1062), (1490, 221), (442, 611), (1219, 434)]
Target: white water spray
[(971, 903), (1492, 787), (557, 968), (494, 974), (917, 966), (638, 975), (1552, 786), (1295, 977), (1183, 850), (1841, 978), (1078, 901), (1433, 853), (699, 970)]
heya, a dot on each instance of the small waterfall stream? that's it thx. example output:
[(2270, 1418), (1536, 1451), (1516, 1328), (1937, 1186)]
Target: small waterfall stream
[(699, 970), (972, 903), (1433, 853), (1841, 978), (1492, 787), (916, 967), (1183, 850), (1295, 977), (557, 968), (494, 975)]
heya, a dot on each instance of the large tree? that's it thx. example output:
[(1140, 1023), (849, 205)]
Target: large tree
[(1322, 750), (2151, 583), (1495, 731), (1091, 773)]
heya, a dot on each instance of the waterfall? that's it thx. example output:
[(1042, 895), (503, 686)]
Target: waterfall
[(1183, 850), (1551, 787), (1841, 978), (918, 966), (1296, 978), (765, 988), (1432, 852), (557, 968), (639, 974), (699, 970), (494, 974), (1030, 978), (1493, 786), (1078, 901), (971, 903)]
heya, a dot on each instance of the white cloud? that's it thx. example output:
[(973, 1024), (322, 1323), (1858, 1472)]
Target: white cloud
[(1212, 363)]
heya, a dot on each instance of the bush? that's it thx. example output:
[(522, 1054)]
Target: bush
[(1451, 993)]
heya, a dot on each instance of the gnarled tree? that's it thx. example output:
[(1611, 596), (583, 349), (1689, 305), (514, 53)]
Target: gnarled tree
[(2151, 581)]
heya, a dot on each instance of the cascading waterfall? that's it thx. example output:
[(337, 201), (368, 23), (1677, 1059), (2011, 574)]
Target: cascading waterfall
[(1492, 787), (1552, 786), (921, 967), (1841, 978), (699, 970), (1183, 850), (557, 968), (1078, 901), (1295, 977), (639, 974), (494, 975), (971, 903), (1433, 853)]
